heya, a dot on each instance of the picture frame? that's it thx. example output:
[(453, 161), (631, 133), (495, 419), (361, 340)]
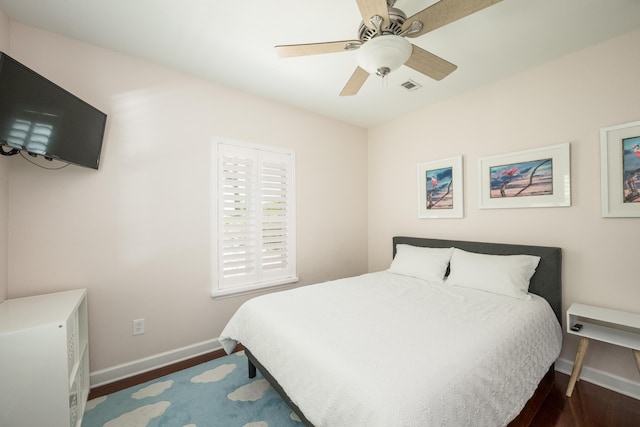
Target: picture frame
[(620, 170), (534, 178), (440, 188)]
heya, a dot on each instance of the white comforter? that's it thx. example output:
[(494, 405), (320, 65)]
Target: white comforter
[(388, 350)]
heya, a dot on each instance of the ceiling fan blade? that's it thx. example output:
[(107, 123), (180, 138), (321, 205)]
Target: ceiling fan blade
[(355, 82), (429, 64), (371, 8), (444, 12), (288, 51)]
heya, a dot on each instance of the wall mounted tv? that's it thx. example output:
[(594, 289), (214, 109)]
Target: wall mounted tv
[(41, 118)]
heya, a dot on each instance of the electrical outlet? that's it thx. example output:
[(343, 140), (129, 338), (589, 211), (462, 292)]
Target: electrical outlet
[(138, 327)]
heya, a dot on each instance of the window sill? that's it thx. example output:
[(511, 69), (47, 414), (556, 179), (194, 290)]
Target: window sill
[(258, 287)]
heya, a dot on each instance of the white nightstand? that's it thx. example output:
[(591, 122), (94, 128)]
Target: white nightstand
[(602, 324)]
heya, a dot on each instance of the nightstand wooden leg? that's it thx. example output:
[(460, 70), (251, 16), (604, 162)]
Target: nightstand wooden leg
[(577, 365), (636, 353)]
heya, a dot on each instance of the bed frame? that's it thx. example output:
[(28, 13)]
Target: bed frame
[(546, 282)]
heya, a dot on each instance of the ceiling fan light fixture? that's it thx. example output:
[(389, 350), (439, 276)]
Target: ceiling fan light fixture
[(383, 54)]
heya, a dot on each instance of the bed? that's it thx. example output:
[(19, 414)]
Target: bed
[(404, 347)]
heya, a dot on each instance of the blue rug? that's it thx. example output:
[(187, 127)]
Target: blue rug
[(214, 394)]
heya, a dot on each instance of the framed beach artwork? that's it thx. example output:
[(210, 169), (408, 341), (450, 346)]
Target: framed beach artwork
[(536, 178), (620, 170), (440, 188)]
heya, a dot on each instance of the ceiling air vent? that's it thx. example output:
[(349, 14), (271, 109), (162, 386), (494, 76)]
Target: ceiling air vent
[(410, 85)]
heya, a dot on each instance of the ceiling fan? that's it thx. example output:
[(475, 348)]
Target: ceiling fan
[(382, 45)]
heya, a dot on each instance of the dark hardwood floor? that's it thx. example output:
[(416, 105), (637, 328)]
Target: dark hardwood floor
[(589, 406)]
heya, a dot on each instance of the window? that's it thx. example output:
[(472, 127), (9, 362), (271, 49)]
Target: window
[(254, 242)]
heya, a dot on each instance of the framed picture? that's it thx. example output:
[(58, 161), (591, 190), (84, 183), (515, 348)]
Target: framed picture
[(620, 170), (536, 178), (440, 188)]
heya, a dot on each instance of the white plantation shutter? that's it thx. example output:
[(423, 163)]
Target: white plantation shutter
[(255, 218), (275, 214), (238, 228)]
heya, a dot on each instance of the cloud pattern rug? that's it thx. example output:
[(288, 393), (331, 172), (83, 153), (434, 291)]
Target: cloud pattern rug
[(214, 394)]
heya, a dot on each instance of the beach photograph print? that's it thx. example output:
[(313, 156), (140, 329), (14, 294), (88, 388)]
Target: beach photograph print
[(530, 178), (439, 188), (631, 169)]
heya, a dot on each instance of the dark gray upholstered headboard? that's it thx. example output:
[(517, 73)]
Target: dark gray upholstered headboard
[(547, 280)]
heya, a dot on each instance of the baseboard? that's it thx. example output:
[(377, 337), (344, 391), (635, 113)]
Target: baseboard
[(126, 370), (603, 379)]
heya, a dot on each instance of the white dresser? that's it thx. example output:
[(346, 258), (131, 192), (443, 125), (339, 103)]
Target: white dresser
[(44, 360)]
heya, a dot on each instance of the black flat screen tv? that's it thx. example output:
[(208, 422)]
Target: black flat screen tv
[(41, 118)]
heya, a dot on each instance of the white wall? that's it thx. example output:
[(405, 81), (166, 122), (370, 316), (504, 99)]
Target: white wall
[(568, 100), (136, 233), (4, 180)]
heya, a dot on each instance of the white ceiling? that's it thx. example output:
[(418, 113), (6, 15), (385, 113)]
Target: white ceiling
[(232, 42)]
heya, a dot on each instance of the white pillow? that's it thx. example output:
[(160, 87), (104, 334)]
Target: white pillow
[(424, 263), (499, 274)]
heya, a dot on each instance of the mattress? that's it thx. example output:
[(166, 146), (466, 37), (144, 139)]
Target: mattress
[(384, 350)]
